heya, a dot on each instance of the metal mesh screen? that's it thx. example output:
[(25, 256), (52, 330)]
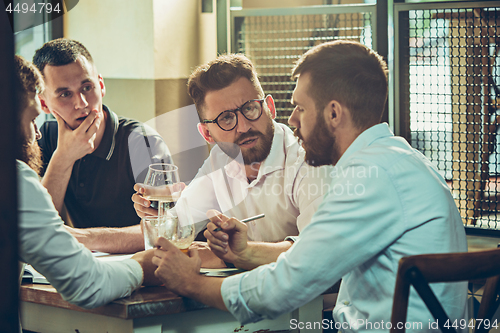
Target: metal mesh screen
[(454, 73), (274, 43)]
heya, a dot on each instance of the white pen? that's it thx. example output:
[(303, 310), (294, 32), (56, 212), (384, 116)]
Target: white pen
[(256, 217)]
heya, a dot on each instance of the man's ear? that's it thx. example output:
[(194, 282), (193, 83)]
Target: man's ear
[(45, 108), (101, 84), (270, 105), (335, 114), (203, 129)]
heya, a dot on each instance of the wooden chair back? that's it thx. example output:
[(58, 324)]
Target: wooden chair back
[(420, 270)]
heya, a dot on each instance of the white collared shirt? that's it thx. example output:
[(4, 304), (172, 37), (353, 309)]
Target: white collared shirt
[(286, 190)]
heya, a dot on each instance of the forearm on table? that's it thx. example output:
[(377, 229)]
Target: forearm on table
[(56, 180), (261, 253), (111, 240), (206, 290)]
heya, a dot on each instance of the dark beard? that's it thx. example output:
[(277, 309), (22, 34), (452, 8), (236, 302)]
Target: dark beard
[(256, 154), (321, 148), (32, 155), (259, 153)]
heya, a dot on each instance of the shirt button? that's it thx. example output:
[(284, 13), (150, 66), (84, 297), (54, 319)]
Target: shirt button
[(82, 184)]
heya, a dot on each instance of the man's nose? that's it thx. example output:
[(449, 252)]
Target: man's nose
[(293, 119), (243, 123), (81, 101)]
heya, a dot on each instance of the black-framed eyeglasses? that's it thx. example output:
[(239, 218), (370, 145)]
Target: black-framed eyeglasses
[(228, 120)]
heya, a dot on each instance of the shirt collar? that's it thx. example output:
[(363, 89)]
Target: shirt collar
[(366, 138), (108, 141), (276, 158)]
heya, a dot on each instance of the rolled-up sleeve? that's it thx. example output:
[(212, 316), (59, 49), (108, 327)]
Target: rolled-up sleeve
[(235, 302)]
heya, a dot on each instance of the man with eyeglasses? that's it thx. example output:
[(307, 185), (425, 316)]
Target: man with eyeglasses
[(255, 167), (228, 120)]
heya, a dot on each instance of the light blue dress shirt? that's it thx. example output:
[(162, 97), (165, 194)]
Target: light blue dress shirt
[(385, 201), (45, 244)]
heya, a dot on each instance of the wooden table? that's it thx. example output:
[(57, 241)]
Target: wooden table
[(147, 310), (156, 310)]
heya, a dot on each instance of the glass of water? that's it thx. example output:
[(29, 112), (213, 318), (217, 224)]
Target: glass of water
[(162, 177)]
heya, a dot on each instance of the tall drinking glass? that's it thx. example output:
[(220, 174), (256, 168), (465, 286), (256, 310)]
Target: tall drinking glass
[(163, 176), (150, 226)]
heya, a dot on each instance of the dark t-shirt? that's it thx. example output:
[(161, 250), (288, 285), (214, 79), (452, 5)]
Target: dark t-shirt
[(101, 185)]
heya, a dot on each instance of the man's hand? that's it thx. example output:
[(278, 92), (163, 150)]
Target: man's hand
[(75, 144), (71, 146), (229, 244), (142, 205), (176, 270), (208, 258), (144, 258)]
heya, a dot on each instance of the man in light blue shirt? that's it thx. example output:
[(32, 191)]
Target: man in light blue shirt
[(385, 201)]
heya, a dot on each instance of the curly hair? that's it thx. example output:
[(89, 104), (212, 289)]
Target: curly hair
[(27, 80)]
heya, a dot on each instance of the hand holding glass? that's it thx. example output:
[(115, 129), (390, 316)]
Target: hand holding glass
[(166, 176)]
